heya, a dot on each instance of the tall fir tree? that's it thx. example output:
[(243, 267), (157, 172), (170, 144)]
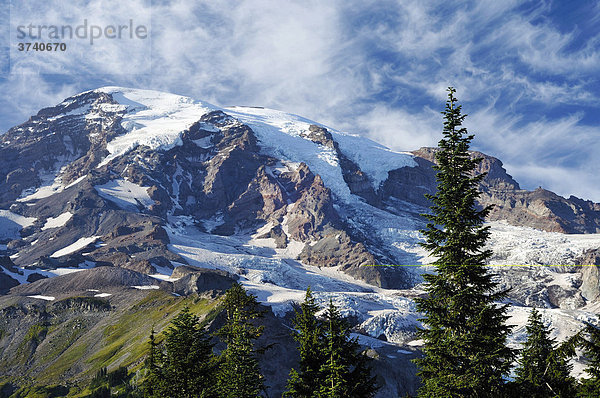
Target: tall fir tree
[(346, 372), (185, 366), (239, 374), (189, 362), (465, 351), (590, 386), (543, 368), (309, 334)]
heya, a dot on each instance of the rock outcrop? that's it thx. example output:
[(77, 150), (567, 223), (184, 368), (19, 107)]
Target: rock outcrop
[(539, 209)]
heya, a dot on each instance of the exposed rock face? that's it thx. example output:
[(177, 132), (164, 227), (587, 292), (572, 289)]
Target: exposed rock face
[(7, 263), (313, 212), (96, 279), (6, 282), (358, 182), (560, 297), (276, 233), (590, 288), (539, 209), (410, 184), (80, 304), (202, 281), (53, 136)]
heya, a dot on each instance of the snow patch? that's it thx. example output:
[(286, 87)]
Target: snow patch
[(146, 287), (57, 222), (74, 112), (125, 194), (205, 142), (11, 223), (47, 298), (163, 273), (75, 182), (74, 247)]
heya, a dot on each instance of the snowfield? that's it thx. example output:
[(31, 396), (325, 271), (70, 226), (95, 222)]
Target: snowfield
[(154, 119), (279, 281), (57, 222), (285, 136)]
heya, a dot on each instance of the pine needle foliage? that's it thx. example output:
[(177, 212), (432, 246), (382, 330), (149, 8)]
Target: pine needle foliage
[(309, 334), (332, 363), (465, 352), (590, 386), (239, 373), (184, 365), (543, 368)]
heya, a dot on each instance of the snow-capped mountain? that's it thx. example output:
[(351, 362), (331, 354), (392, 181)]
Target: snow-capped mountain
[(150, 181)]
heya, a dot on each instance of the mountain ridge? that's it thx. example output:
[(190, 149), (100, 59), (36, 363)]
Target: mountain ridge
[(125, 181)]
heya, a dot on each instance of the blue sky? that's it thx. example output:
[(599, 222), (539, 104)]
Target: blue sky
[(526, 72)]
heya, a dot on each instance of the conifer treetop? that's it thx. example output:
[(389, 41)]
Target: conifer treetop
[(455, 233)]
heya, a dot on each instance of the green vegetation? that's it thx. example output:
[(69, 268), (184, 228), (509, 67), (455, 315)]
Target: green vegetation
[(331, 363), (82, 301), (77, 348), (465, 335), (64, 336), (111, 384), (185, 366), (36, 334), (41, 392), (305, 381), (465, 352), (238, 374), (121, 338), (544, 370), (26, 348), (590, 343)]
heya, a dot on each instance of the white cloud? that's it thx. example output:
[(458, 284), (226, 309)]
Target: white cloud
[(401, 130), (24, 94), (559, 155), (565, 181), (377, 67)]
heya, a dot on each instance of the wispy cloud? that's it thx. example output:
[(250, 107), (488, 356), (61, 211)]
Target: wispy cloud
[(379, 68)]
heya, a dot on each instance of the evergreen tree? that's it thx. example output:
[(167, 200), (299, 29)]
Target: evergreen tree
[(590, 387), (465, 335), (305, 382), (346, 372), (543, 370), (239, 374), (188, 362), (152, 384), (186, 366)]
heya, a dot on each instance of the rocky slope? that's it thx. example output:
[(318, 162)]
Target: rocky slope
[(121, 187), (540, 209)]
